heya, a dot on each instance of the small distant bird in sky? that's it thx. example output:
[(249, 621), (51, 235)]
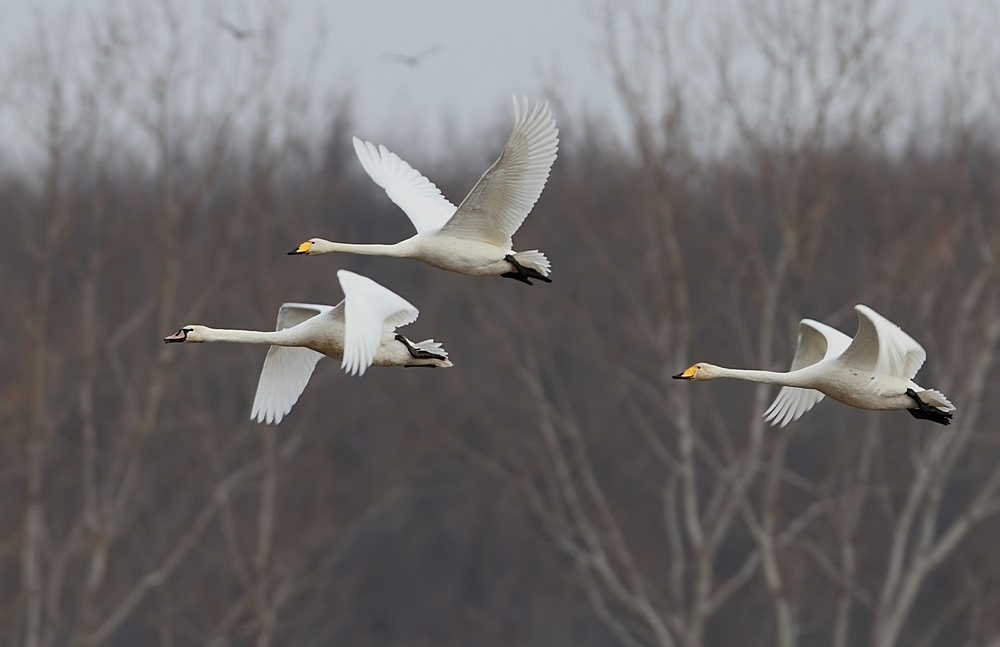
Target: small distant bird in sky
[(238, 34), (414, 60)]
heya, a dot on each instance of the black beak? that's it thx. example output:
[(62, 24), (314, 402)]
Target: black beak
[(295, 252), (680, 376)]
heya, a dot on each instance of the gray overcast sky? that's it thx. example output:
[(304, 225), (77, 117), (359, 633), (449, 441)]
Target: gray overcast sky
[(489, 51)]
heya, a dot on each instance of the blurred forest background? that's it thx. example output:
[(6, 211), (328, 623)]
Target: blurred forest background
[(555, 487)]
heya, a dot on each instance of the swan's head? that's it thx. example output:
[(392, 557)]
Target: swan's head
[(701, 371), (192, 333), (307, 248)]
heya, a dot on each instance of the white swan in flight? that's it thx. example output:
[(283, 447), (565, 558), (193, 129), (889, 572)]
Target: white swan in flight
[(475, 238), (873, 371), (359, 331)]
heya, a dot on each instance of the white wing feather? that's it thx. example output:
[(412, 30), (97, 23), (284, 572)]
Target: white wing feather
[(882, 347), (368, 309), (417, 196), (292, 314), (503, 197), (817, 342), (286, 369)]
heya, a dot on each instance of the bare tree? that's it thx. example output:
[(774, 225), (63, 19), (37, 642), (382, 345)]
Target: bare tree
[(592, 500), (821, 99)]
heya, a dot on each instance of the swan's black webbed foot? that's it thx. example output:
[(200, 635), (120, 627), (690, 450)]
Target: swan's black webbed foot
[(924, 411), (417, 353), (516, 277), (523, 274)]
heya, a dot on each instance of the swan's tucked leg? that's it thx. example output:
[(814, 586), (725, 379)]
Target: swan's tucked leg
[(924, 411), (523, 273), (519, 275), (417, 353), (535, 274)]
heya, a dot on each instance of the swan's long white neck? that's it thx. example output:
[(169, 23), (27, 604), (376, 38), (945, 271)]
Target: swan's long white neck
[(767, 377), (272, 338), (399, 250)]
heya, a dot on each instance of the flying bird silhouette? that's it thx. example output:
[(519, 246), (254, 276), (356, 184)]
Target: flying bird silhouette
[(238, 33), (414, 60)]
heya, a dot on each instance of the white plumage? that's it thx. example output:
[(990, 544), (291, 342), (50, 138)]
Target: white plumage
[(371, 315), (417, 196), (475, 237), (874, 370), (817, 342), (287, 369), (360, 331)]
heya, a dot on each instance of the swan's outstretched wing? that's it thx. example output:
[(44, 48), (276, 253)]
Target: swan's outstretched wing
[(286, 369), (368, 308), (817, 342), (502, 198), (412, 192), (881, 346), (292, 314)]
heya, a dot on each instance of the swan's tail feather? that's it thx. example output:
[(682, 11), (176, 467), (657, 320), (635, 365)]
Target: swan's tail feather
[(936, 399), (436, 349), (431, 346), (535, 260)]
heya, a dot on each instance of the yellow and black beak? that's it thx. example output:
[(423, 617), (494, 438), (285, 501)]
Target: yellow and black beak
[(301, 249), (686, 375)]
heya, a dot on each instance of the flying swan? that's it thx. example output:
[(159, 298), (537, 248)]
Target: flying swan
[(475, 238), (873, 371), (359, 331)]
